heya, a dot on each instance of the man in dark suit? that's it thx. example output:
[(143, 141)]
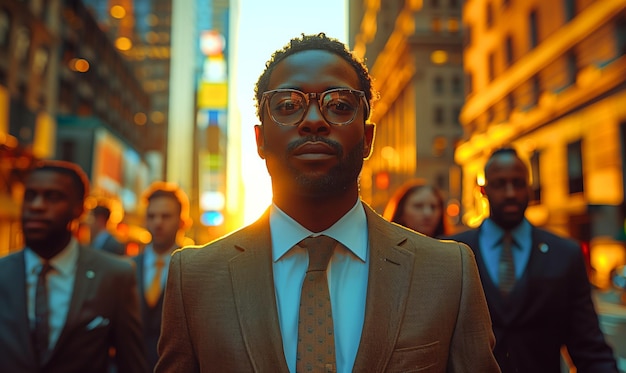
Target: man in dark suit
[(101, 238), (391, 299), (65, 307), (544, 302), (167, 215)]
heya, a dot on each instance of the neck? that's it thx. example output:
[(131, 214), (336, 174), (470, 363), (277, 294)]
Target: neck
[(316, 214), (50, 248)]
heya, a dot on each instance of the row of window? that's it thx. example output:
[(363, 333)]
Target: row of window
[(439, 85)]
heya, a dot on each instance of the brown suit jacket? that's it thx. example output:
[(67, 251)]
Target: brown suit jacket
[(425, 308)]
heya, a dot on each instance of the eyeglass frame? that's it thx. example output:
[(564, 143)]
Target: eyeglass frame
[(317, 96)]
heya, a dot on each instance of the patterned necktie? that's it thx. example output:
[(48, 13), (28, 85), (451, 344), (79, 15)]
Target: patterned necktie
[(506, 266), (153, 293), (316, 336), (42, 313)]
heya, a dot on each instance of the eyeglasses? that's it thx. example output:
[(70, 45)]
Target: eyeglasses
[(288, 107)]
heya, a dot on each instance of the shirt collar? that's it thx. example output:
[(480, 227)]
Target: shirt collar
[(150, 256), (350, 231), (64, 262), (493, 233)]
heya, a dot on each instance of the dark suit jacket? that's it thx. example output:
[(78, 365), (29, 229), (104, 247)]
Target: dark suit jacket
[(104, 289), (550, 306), (151, 316), (425, 309), (112, 245)]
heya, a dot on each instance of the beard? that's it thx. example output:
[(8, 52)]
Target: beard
[(339, 178)]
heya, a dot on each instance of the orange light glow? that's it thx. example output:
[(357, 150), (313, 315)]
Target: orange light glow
[(123, 43), (141, 119), (79, 65), (118, 11)]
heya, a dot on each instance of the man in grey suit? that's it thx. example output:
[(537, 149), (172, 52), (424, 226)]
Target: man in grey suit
[(101, 238), (400, 301), (65, 308)]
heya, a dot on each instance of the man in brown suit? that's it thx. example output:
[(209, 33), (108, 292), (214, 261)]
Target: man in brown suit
[(400, 301)]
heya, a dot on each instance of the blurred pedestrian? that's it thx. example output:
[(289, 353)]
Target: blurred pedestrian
[(536, 283), (167, 216), (101, 238), (375, 297), (418, 206), (65, 307)]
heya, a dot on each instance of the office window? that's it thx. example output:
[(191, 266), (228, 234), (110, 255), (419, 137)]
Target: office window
[(438, 85), (620, 35), (456, 113), (536, 89), (535, 183), (508, 50), (569, 9), (533, 29), (5, 28), (457, 87), (468, 83), (575, 167), (572, 67), (491, 69), (489, 14), (510, 103), (438, 115)]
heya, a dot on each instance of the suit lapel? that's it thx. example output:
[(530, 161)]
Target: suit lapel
[(390, 268), (16, 304), (253, 286), (86, 273)]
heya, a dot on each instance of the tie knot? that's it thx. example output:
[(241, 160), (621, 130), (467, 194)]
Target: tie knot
[(320, 251), (159, 262), (45, 268), (507, 239)]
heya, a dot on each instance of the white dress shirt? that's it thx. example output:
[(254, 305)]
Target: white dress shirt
[(347, 279), (60, 286)]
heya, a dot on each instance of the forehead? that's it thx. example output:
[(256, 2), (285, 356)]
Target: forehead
[(50, 180), (504, 164), (424, 193), (313, 71), (162, 205)]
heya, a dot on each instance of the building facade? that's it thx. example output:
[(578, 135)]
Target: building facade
[(549, 78), (66, 93), (414, 52)]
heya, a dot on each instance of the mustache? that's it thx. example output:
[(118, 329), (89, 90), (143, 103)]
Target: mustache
[(336, 147)]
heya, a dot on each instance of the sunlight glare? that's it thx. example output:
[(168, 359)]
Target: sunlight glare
[(263, 27)]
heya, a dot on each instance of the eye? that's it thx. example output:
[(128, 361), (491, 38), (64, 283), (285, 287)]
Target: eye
[(286, 104)]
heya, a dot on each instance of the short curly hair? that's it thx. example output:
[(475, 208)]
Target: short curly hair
[(315, 42)]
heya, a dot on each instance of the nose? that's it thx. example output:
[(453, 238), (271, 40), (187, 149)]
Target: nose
[(37, 202), (509, 189), (314, 122)]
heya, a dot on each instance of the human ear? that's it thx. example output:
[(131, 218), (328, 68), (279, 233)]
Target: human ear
[(370, 129), (260, 140)]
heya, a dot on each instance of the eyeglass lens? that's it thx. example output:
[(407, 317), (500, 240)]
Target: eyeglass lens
[(290, 106)]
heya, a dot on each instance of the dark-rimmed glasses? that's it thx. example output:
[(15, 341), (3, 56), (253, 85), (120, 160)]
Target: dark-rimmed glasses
[(338, 106)]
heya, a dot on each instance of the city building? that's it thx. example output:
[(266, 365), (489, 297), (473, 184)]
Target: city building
[(549, 77), (67, 93), (414, 52)]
